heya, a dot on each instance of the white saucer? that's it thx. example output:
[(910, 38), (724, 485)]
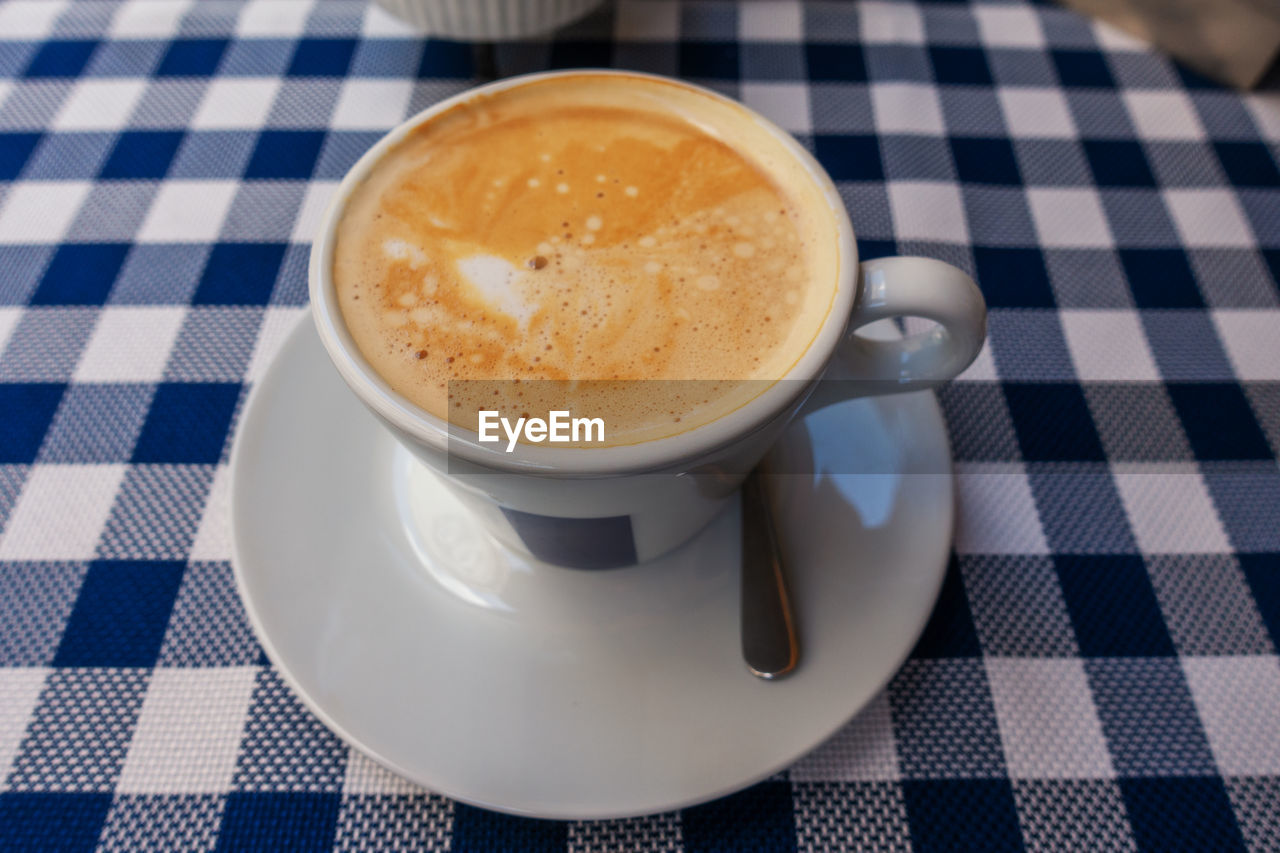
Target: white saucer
[(558, 693)]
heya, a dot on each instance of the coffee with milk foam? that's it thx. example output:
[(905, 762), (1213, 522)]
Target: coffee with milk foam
[(595, 230)]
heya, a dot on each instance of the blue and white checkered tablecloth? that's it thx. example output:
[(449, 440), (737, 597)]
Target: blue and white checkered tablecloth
[(1101, 671)]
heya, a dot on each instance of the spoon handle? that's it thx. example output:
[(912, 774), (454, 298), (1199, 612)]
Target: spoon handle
[(769, 644)]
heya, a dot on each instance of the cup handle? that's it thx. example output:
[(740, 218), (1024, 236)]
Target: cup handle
[(916, 287)]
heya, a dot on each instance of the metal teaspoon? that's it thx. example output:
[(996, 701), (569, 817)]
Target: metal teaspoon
[(769, 643)]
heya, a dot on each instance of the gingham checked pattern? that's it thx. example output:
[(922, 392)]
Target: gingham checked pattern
[(1102, 670)]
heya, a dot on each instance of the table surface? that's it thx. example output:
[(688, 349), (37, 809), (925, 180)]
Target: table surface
[(1101, 671)]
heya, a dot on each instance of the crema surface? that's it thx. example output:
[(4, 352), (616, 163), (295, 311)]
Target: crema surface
[(595, 230)]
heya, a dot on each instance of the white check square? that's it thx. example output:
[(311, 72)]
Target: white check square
[(863, 751), (1163, 115), (40, 211), (19, 691), (187, 212), (231, 104), (188, 733), (782, 20), (1114, 39), (907, 108), (785, 104), (366, 776), (931, 212), (1170, 511), (1252, 341), (890, 23), (1237, 698), (1209, 218), (130, 344), (647, 20), (996, 512), (213, 536), (307, 225), (983, 368), (9, 317), (1069, 217), (1035, 113), (29, 20), (1265, 109), (371, 104), (379, 23), (274, 19), (148, 19), (1048, 724), (99, 105), (1009, 26), (60, 512), (1108, 346)]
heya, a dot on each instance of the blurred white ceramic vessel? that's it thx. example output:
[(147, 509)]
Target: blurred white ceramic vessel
[(488, 20)]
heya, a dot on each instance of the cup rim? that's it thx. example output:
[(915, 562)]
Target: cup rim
[(655, 454)]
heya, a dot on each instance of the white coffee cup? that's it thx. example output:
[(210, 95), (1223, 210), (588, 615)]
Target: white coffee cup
[(606, 507), (488, 20)]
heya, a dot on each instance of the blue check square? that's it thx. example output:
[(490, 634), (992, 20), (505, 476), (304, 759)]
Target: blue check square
[(711, 60), (1052, 422), (15, 149), (1181, 813), (120, 616), (187, 423), (240, 274), (1113, 606), (1083, 68), (142, 155), (849, 158), (28, 409), (40, 821), (284, 820), (1013, 277), (61, 59), (1218, 421), (1247, 164), (449, 59), (1118, 163), (81, 274), (322, 58), (960, 66), (1161, 278), (985, 161), (836, 62), (285, 154), (192, 58)]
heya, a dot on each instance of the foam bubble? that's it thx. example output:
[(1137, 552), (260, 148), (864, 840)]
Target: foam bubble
[(544, 248), (632, 192), (534, 183), (546, 158), (407, 298), (495, 279), (708, 282), (399, 250), (647, 242), (588, 239), (600, 179), (594, 223), (744, 250), (429, 285), (653, 267)]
